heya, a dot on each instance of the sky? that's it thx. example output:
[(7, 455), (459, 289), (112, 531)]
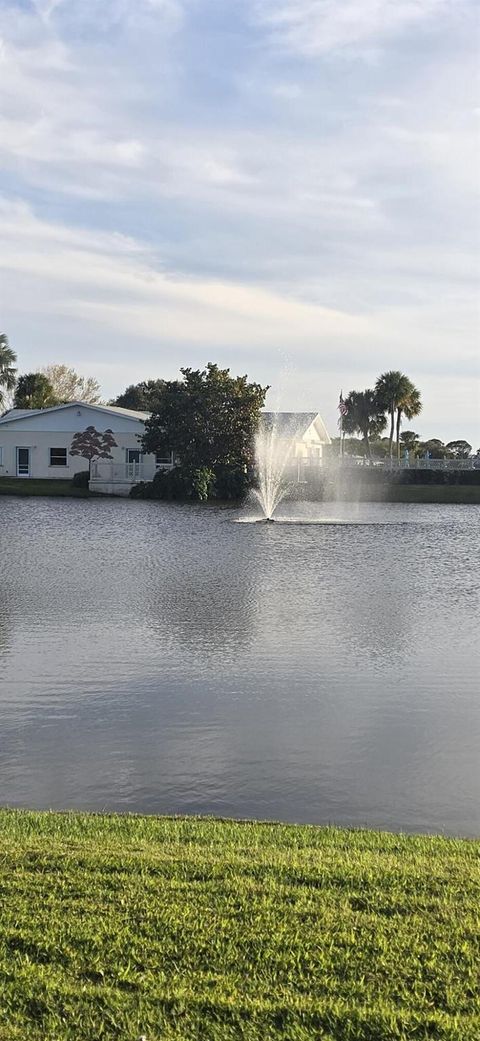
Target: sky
[(286, 187)]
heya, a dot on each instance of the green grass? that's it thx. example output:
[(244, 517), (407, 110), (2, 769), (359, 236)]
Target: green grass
[(435, 493), (393, 493), (116, 927), (421, 493), (40, 486)]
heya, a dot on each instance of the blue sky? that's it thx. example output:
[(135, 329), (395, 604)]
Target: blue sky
[(276, 185)]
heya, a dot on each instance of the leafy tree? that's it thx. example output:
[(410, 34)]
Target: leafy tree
[(459, 449), (69, 386), (365, 415), (141, 396), (379, 447), (434, 448), (93, 444), (208, 419), (344, 445), (8, 372), (410, 440), (392, 389), (34, 390)]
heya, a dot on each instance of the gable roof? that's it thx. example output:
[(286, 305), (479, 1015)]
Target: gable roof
[(26, 413), (294, 424)]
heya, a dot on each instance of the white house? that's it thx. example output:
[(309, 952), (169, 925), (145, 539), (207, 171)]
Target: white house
[(37, 443), (303, 433)]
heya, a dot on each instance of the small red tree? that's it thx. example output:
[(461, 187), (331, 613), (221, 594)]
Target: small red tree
[(92, 444)]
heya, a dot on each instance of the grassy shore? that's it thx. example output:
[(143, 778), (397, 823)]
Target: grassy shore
[(455, 494), (199, 930), (428, 493), (40, 486)]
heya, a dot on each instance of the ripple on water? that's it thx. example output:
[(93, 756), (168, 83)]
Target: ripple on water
[(161, 658)]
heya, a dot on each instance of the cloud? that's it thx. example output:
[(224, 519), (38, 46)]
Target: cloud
[(109, 291), (106, 14), (118, 282), (186, 177), (315, 27)]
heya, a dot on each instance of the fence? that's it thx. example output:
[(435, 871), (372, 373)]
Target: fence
[(472, 463), (131, 472)]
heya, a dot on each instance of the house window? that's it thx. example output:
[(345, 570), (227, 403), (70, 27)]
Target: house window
[(134, 455), (58, 457), (164, 458)]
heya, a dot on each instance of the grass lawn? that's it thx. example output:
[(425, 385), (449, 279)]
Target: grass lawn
[(421, 493), (116, 927), (40, 486), (435, 493)]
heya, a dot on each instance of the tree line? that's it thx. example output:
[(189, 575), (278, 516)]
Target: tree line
[(52, 385), (208, 418), (393, 399)]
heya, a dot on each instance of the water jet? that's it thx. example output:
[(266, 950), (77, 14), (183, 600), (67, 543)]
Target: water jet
[(274, 457)]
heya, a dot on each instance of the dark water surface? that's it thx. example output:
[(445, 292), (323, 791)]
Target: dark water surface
[(165, 659)]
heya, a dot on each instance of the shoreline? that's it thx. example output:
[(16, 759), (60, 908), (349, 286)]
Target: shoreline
[(126, 816), (440, 494)]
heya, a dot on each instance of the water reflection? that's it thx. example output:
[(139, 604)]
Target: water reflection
[(322, 672)]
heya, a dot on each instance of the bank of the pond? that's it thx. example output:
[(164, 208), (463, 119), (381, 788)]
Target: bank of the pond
[(116, 927), (361, 490), (452, 494), (375, 484), (41, 486)]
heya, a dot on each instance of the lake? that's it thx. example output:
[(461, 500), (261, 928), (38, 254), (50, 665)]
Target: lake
[(168, 659)]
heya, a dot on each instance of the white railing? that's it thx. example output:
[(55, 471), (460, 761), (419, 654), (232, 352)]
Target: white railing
[(126, 472), (130, 473), (406, 464)]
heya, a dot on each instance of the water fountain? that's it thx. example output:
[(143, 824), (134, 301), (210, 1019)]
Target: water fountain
[(275, 460)]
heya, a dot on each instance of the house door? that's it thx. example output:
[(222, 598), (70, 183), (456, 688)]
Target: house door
[(134, 462), (23, 462)]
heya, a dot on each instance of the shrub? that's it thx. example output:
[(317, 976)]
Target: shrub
[(202, 483), (81, 479), (231, 482), (176, 484)]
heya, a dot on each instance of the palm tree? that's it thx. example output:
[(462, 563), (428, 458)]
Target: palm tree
[(34, 390), (410, 406), (364, 414), (410, 440), (392, 388), (8, 372)]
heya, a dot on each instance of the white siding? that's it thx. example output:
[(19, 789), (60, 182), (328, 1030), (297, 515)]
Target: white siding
[(55, 429)]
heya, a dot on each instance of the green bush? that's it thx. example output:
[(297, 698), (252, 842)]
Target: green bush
[(167, 484), (231, 482), (177, 484), (81, 479), (200, 484)]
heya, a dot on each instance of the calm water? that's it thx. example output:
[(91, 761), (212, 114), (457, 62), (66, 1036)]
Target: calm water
[(167, 659)]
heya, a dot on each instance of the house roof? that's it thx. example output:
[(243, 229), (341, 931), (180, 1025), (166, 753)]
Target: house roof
[(295, 424), (26, 413)]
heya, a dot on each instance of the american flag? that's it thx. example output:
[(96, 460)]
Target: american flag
[(342, 408)]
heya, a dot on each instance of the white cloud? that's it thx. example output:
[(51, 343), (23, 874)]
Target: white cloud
[(119, 283), (98, 293), (320, 26), (105, 14), (287, 205)]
